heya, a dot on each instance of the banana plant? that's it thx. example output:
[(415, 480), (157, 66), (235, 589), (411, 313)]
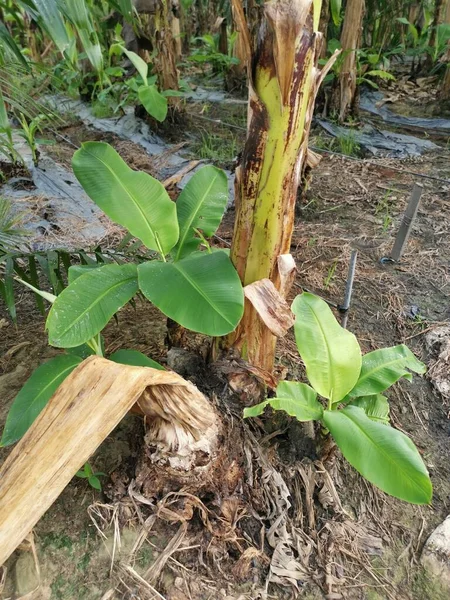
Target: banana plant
[(354, 410), (154, 102), (200, 290)]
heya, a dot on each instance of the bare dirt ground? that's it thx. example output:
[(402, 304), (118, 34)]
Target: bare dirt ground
[(343, 538)]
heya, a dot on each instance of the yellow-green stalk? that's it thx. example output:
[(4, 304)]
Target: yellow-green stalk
[(283, 82)]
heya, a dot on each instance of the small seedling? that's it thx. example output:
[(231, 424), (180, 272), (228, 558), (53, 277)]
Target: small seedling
[(356, 413), (330, 274), (384, 205), (93, 478), (153, 100), (29, 131)]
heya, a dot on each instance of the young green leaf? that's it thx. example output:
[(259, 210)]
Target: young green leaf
[(138, 63), (35, 394), (134, 358), (331, 354), (380, 73), (81, 474), (82, 310), (297, 399), (135, 200), (382, 368), (376, 407), (383, 455), (154, 102), (200, 205), (46, 295), (94, 482), (201, 292)]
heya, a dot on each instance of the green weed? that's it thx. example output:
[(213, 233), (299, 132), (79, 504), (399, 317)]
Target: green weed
[(216, 148), (330, 274), (348, 145), (384, 207)]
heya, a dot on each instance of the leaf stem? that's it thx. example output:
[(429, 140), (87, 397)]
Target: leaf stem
[(204, 240)]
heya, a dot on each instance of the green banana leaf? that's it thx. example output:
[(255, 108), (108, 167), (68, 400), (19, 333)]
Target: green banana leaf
[(153, 102), (297, 399), (201, 292), (139, 64), (383, 455), (382, 368), (331, 354), (35, 394), (76, 271), (135, 200), (83, 309), (135, 359), (200, 205), (376, 407)]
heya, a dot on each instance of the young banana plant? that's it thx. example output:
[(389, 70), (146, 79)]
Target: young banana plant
[(355, 411), (283, 83)]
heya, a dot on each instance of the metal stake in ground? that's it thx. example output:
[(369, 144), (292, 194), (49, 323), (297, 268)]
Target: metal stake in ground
[(407, 222), (344, 308)]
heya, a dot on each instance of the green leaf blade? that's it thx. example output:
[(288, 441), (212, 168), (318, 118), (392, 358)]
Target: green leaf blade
[(83, 309), (383, 455), (382, 368), (331, 354), (139, 64), (376, 407), (52, 21), (135, 200), (135, 359), (296, 399), (200, 205), (201, 292), (35, 394), (154, 102)]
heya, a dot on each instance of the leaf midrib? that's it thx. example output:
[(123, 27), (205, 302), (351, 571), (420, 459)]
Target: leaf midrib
[(183, 238), (202, 294), (96, 301)]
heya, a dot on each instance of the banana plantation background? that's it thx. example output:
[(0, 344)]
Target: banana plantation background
[(224, 299)]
